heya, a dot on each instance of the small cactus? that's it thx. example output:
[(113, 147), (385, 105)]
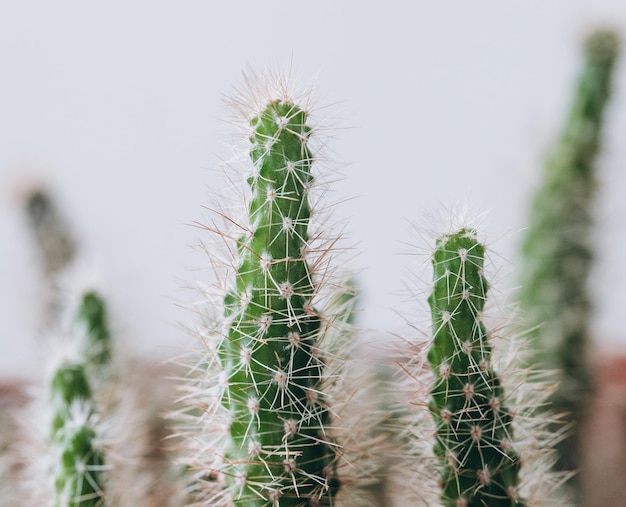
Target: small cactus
[(79, 475), (75, 395), (56, 244), (474, 433), (558, 249)]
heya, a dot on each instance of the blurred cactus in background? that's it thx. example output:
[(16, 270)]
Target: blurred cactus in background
[(56, 244), (107, 445), (558, 249), (79, 476), (77, 400)]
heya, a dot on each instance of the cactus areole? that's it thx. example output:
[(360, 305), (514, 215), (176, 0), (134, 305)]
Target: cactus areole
[(478, 464), (280, 452)]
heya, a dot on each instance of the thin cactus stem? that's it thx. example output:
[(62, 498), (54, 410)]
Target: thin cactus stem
[(78, 476), (474, 434), (558, 250), (280, 451), (96, 342)]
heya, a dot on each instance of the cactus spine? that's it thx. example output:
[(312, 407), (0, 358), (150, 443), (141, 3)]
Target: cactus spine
[(558, 250), (279, 450), (473, 424)]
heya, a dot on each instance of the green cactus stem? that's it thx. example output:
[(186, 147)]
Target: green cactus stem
[(478, 463), (280, 451), (79, 478), (52, 234), (96, 342), (558, 251), (79, 475), (56, 245)]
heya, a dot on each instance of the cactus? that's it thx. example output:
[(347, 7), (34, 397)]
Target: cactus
[(75, 394), (474, 431), (558, 250), (52, 234), (79, 475), (274, 337), (278, 452), (56, 245), (125, 397)]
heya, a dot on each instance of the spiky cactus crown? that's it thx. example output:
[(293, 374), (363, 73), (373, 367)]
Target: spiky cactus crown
[(271, 357)]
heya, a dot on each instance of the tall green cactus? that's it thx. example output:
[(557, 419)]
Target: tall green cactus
[(478, 463), (558, 251), (280, 450)]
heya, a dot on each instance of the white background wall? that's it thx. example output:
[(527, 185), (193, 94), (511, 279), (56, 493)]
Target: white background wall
[(116, 105)]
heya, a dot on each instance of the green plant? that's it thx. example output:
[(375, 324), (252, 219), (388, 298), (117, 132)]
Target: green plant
[(92, 322), (479, 465), (76, 437), (277, 341), (558, 249), (55, 242), (79, 474)]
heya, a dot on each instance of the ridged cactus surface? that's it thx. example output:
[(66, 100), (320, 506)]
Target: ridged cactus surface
[(279, 451), (478, 464), (558, 249)]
